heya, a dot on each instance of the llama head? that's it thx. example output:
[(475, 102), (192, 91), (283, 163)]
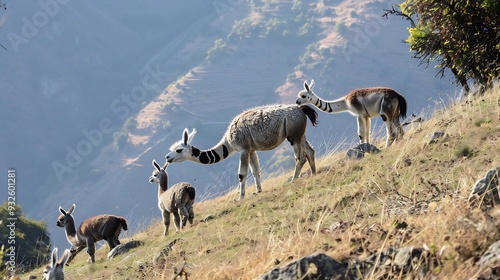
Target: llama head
[(306, 95), (159, 173), (54, 270), (65, 216), (182, 150)]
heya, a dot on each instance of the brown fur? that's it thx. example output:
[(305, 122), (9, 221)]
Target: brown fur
[(100, 227)]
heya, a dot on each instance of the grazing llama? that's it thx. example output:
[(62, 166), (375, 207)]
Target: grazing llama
[(177, 200), (100, 227), (364, 103), (258, 129), (55, 269)]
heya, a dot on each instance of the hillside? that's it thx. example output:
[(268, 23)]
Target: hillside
[(218, 64), (151, 69), (410, 194)]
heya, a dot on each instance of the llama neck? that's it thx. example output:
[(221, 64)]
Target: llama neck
[(334, 106), (162, 185), (71, 232), (218, 153)]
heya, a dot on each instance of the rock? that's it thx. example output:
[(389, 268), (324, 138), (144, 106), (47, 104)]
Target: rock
[(207, 218), (436, 136), (316, 266), (359, 151), (123, 248), (486, 188), (160, 256), (409, 261), (491, 256)]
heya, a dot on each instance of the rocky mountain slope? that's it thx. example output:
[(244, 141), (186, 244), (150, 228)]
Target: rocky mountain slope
[(404, 213), (101, 90)]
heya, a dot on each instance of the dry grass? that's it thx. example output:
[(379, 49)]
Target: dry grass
[(411, 194)]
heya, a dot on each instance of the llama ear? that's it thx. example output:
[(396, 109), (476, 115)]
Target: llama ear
[(311, 84), (165, 165), (53, 258), (65, 257), (62, 211), (185, 136), (191, 135), (70, 211), (306, 87), (155, 164)]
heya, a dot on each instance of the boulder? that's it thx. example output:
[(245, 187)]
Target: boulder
[(316, 266), (359, 151), (161, 255), (491, 256), (486, 188), (123, 248), (489, 263), (409, 261)]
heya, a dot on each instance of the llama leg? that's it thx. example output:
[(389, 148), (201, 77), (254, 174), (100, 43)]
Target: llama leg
[(111, 244), (177, 221), (368, 123), (91, 249), (243, 171), (391, 133), (361, 129), (73, 254), (300, 157), (255, 168), (399, 128), (184, 214), (309, 152), (115, 239), (166, 221), (191, 213)]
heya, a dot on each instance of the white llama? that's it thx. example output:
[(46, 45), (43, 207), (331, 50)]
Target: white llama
[(177, 200), (258, 129), (55, 269), (364, 103)]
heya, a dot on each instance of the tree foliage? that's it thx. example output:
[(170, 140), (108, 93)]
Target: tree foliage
[(30, 240), (460, 35)]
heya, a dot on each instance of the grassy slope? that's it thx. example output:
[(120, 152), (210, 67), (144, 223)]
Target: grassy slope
[(424, 186)]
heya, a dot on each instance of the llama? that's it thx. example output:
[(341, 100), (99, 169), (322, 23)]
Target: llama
[(364, 103), (177, 200), (55, 269), (100, 227), (258, 129)]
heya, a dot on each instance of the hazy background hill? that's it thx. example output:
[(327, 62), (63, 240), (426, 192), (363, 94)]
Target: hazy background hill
[(133, 75)]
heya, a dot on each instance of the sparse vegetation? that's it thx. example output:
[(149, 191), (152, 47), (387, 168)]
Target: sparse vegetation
[(410, 194), (218, 49), (31, 241)]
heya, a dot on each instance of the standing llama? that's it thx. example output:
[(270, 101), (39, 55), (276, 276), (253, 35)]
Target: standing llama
[(177, 200), (364, 103), (258, 129), (55, 269), (100, 227)]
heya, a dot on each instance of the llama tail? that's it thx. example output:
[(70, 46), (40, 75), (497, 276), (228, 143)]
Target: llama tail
[(123, 223), (191, 192), (310, 113), (402, 106)]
